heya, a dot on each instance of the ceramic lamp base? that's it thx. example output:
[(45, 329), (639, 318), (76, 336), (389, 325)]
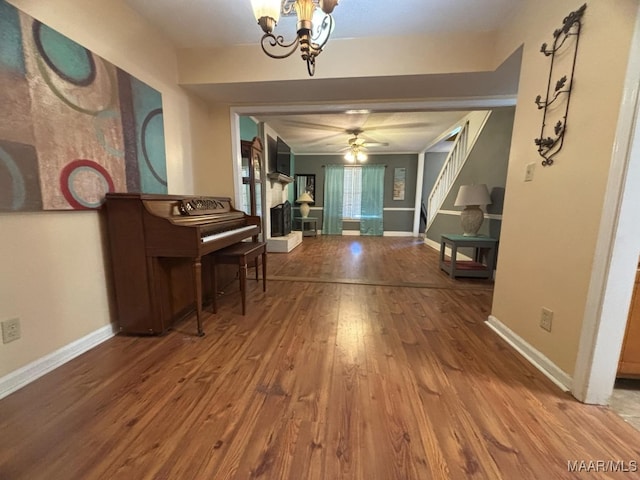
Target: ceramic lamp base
[(471, 219), (304, 210)]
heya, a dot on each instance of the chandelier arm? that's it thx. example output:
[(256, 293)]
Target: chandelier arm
[(278, 41), (328, 19), (287, 6), (311, 65)]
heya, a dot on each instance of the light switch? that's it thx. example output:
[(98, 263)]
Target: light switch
[(528, 174)]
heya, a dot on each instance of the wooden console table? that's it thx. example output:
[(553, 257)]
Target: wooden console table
[(313, 224), (476, 268)]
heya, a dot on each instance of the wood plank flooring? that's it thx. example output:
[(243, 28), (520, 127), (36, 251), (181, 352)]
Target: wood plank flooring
[(361, 361)]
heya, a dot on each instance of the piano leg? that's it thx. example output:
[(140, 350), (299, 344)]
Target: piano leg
[(214, 285), (264, 270), (197, 283), (243, 286)]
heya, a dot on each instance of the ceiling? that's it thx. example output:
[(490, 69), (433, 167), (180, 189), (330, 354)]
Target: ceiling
[(218, 23), (399, 127), (382, 132)]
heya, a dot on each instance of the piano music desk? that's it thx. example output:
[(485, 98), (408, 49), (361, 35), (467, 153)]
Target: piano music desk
[(240, 254)]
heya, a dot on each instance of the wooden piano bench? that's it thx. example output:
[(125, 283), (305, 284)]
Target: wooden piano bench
[(240, 254)]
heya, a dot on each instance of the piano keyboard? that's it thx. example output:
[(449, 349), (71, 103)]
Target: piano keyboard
[(227, 233)]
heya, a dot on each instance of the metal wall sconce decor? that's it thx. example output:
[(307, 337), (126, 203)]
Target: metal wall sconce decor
[(548, 145)]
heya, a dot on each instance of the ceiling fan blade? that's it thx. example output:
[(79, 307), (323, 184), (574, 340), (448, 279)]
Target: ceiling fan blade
[(399, 126), (317, 126)]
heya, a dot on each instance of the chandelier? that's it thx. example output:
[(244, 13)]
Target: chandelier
[(314, 27)]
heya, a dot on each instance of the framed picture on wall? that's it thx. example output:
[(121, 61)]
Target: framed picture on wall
[(399, 178), (305, 182)]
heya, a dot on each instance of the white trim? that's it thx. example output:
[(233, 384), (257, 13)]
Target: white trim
[(492, 216), (471, 103), (533, 356), (385, 209), (417, 204), (432, 243), (447, 250), (236, 153), (616, 252), (386, 233), (34, 370)]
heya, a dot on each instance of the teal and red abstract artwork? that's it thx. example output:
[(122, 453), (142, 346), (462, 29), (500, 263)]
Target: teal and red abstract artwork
[(72, 125)]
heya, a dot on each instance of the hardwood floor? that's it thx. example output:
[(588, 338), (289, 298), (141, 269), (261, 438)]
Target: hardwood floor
[(362, 360)]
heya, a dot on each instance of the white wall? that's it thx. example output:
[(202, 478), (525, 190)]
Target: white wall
[(54, 275)]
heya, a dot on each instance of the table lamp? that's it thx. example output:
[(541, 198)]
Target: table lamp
[(471, 197), (304, 201)]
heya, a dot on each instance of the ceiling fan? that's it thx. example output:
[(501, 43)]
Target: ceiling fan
[(356, 146)]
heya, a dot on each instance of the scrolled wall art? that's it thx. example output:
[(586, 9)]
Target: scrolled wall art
[(564, 38)]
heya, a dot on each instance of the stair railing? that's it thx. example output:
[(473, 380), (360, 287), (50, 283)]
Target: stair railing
[(452, 166)]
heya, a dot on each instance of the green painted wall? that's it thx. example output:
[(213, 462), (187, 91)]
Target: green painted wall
[(248, 128)]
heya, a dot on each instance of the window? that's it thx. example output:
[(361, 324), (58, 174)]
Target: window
[(352, 193)]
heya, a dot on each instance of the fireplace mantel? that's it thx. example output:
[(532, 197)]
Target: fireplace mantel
[(279, 177)]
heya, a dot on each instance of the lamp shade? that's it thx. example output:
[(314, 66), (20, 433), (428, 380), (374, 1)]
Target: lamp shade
[(266, 8), (304, 198), (473, 195)]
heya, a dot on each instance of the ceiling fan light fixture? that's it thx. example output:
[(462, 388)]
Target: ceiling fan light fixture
[(355, 153), (314, 27)]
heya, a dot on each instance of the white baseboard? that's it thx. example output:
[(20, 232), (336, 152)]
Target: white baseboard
[(386, 233), (533, 356), (433, 244), (27, 374), (447, 250)]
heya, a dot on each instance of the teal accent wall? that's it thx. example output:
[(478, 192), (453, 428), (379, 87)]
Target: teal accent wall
[(248, 128)]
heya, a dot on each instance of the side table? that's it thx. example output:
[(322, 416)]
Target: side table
[(475, 268), (312, 231)]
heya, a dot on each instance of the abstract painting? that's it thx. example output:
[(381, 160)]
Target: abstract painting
[(72, 125)]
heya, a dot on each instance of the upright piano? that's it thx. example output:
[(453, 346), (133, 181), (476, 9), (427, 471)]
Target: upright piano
[(157, 245)]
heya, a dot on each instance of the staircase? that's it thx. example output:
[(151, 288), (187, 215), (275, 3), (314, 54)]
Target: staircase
[(452, 167)]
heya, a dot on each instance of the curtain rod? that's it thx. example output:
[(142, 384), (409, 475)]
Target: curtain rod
[(343, 165)]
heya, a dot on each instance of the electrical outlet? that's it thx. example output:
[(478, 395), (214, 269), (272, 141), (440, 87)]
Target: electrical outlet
[(10, 330), (546, 318), (528, 174)]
